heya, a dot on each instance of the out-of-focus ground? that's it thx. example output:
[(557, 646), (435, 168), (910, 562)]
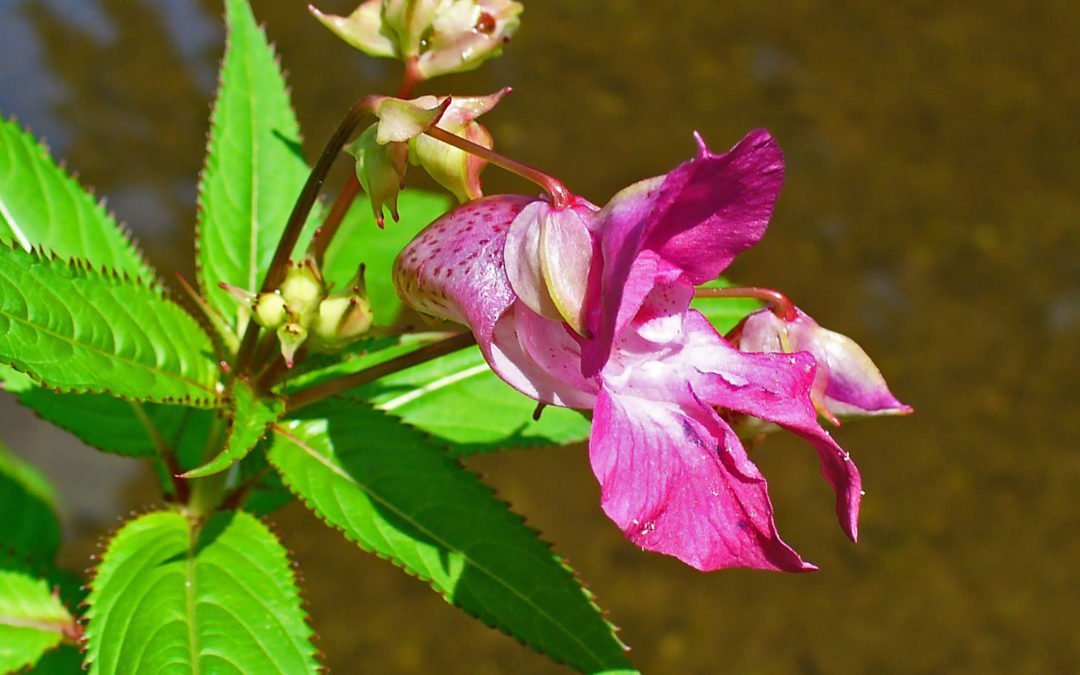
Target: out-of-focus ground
[(930, 212)]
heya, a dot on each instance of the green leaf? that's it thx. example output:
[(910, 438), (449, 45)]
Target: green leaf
[(724, 313), (28, 522), (42, 206), (249, 418), (254, 167), (173, 597), (72, 328), (361, 241), (110, 424), (442, 397), (396, 494), (32, 618)]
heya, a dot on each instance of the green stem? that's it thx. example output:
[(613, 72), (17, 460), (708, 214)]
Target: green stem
[(207, 492), (323, 390), (275, 274)]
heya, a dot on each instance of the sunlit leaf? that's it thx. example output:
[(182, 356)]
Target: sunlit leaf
[(76, 329), (254, 166), (173, 597), (394, 493), (42, 206)]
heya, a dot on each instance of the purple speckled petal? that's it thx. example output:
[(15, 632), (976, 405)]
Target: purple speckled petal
[(696, 219), (454, 268), (668, 480)]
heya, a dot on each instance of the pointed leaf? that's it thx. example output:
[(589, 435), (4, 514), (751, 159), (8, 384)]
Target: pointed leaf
[(172, 597), (254, 168), (360, 240), (442, 398), (33, 620), (249, 418), (75, 329), (42, 206), (28, 522), (395, 494)]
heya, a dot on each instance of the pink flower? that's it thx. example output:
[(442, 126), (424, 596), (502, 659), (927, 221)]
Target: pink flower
[(589, 308)]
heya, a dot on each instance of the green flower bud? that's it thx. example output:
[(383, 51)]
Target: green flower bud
[(269, 310), (342, 318), (291, 336), (302, 289)]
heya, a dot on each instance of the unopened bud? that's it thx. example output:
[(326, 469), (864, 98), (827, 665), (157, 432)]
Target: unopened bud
[(343, 317), (453, 168), (292, 337), (303, 288), (269, 310)]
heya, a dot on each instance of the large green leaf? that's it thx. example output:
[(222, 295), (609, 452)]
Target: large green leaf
[(361, 241), (28, 521), (396, 494), (41, 206), (33, 620), (249, 418), (76, 329), (110, 424), (443, 397), (254, 168), (173, 597)]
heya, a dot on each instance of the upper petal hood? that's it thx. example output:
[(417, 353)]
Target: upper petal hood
[(696, 219)]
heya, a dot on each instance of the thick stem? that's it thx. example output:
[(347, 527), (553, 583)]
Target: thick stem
[(207, 492), (301, 210), (560, 196), (318, 392), (779, 304)]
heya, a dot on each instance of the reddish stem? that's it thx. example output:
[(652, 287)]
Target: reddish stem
[(779, 304), (560, 196)]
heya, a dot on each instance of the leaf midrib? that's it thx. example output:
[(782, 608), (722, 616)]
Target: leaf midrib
[(468, 559)]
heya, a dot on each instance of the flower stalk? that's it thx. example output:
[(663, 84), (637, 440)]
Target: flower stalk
[(778, 303)]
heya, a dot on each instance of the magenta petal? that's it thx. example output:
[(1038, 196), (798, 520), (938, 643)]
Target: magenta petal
[(668, 479), (454, 268), (775, 388)]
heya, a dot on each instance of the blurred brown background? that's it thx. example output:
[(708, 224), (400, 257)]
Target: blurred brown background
[(930, 212)]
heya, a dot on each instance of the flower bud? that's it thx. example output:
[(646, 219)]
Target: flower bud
[(291, 336), (434, 37), (847, 383), (381, 171), (453, 168), (302, 289), (269, 310), (342, 318)]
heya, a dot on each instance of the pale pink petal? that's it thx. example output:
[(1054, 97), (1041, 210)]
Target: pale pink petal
[(668, 479), (523, 260)]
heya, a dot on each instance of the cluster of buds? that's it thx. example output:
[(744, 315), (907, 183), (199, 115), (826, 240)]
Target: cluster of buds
[(385, 149), (432, 37), (303, 312)]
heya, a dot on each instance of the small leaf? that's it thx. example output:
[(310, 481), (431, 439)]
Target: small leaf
[(254, 166), (32, 618), (28, 522), (249, 417), (75, 329), (360, 240), (394, 493), (41, 206), (724, 313), (170, 596), (442, 397)]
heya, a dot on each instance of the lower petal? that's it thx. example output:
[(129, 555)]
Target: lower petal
[(677, 481)]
